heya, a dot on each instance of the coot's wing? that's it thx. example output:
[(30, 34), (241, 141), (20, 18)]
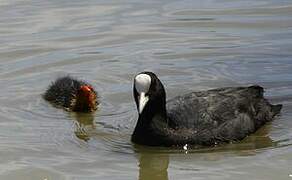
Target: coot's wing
[(224, 114)]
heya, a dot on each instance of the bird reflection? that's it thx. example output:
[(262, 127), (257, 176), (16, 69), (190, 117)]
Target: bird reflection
[(84, 122), (153, 166), (246, 147), (252, 143)]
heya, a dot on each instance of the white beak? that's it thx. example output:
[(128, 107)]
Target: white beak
[(142, 101)]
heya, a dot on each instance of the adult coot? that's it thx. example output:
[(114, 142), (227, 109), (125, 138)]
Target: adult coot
[(72, 94), (200, 118)]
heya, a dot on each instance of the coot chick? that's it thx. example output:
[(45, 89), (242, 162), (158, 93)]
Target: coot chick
[(72, 95), (199, 118)]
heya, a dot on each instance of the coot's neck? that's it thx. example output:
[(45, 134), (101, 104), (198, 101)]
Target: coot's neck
[(152, 119), (81, 105), (84, 104)]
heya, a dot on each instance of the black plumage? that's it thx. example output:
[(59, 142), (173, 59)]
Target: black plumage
[(201, 118), (68, 93)]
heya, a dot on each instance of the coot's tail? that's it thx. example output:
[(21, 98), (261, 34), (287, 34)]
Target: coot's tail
[(256, 91), (276, 109)]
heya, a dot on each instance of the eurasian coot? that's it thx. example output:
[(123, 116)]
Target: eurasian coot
[(72, 95), (201, 118)]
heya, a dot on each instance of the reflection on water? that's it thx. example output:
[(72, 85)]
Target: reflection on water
[(153, 166), (84, 122), (154, 163), (191, 44)]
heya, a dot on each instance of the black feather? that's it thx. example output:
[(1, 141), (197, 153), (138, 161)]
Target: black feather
[(63, 92), (202, 118)]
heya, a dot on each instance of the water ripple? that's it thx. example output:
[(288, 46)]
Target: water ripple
[(191, 45)]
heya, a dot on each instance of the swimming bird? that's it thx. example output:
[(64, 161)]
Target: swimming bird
[(198, 118), (72, 95)]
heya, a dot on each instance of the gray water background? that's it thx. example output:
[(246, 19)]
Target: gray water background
[(191, 45)]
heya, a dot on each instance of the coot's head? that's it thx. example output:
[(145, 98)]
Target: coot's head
[(149, 93), (86, 99)]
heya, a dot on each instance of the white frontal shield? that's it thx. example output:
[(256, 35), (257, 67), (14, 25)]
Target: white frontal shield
[(142, 84)]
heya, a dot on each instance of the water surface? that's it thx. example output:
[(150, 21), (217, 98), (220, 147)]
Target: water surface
[(191, 45)]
